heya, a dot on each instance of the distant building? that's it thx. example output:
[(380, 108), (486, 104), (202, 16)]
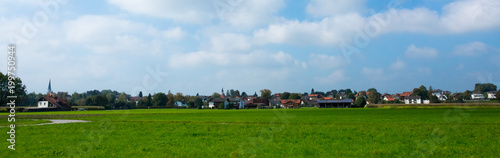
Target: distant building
[(334, 103), (413, 100), (291, 103), (50, 102), (492, 95), (477, 96)]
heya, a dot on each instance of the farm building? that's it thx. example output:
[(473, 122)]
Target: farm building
[(291, 103), (413, 100), (334, 103)]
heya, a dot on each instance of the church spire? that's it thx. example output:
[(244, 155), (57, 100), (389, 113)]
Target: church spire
[(49, 90)]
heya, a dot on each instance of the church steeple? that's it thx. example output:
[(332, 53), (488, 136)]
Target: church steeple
[(49, 90)]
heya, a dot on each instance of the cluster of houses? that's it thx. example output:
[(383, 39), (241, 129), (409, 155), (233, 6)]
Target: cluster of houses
[(251, 102), (408, 98), (51, 102)]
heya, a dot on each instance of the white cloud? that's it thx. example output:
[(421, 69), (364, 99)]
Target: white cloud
[(325, 61), (329, 31), (425, 52), (467, 15), (256, 58), (334, 77), (398, 64), (108, 34), (192, 11), (251, 13), (175, 33), (457, 17), (471, 49), (230, 42), (334, 7)]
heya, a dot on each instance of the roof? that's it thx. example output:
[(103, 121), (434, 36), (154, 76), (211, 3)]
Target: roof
[(336, 101), (256, 101), (55, 100), (314, 95), (413, 97), (296, 101), (135, 98), (406, 94), (218, 100), (389, 98), (328, 98)]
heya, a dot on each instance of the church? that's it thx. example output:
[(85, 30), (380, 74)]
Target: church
[(51, 102)]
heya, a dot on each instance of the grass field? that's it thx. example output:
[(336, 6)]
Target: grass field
[(451, 132)]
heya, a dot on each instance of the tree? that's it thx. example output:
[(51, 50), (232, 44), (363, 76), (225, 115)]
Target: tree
[(149, 100), (487, 87), (140, 94), (160, 99), (244, 94), (111, 98), (312, 91), (232, 93), (179, 97), (237, 93), (255, 94), (348, 91), (294, 96), (498, 95), (198, 102), (285, 95), (422, 92), (265, 94), (360, 101), (216, 95), (351, 96), (374, 96), (432, 98), (19, 89), (170, 101)]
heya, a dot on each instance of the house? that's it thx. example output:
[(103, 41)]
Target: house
[(389, 98), (275, 103), (335, 103), (180, 104), (291, 103), (413, 100), (440, 94), (492, 95), (135, 99), (314, 97), (213, 103), (404, 94), (50, 103), (254, 103), (477, 96), (238, 103)]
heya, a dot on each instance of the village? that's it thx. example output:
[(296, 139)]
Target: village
[(232, 99)]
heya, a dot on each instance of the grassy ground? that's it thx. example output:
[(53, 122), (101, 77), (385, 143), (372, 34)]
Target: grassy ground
[(451, 132)]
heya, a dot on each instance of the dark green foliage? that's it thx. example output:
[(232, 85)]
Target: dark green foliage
[(19, 89), (294, 96), (285, 95), (159, 100), (360, 101), (487, 87), (265, 94)]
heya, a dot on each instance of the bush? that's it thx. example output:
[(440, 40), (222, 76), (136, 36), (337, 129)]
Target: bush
[(259, 106), (221, 106)]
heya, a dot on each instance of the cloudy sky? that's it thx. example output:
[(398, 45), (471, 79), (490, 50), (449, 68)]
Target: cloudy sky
[(200, 46)]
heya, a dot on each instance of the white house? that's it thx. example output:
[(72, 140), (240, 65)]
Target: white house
[(491, 95), (413, 100), (477, 96)]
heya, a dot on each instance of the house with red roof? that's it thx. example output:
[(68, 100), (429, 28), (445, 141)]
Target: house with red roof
[(291, 103)]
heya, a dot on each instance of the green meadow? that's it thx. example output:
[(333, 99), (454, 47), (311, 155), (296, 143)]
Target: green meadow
[(377, 132)]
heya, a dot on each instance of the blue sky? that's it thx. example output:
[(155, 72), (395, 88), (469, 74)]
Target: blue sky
[(199, 46)]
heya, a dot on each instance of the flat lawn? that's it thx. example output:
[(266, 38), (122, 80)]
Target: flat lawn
[(452, 132)]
